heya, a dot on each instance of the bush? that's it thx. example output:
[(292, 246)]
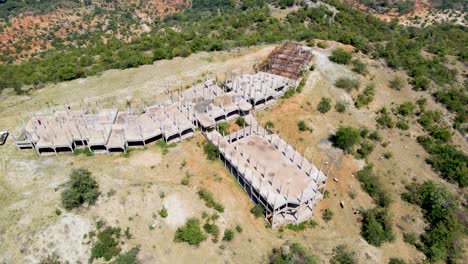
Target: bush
[(377, 227), (228, 235), (366, 148), (342, 255), (347, 138), (129, 257), (294, 253), (341, 106), (372, 186), (375, 136), (359, 67), (327, 215), (401, 124), (239, 229), (340, 56), (322, 45), (396, 261), (420, 83), (223, 128), (107, 244), (163, 212), (384, 119), (240, 121), (347, 83), (258, 210), (365, 97), (397, 83), (406, 109), (209, 200), (190, 232), (324, 105), (211, 151), (212, 229), (83, 189)]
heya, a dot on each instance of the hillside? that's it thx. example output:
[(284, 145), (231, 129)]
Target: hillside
[(28, 28)]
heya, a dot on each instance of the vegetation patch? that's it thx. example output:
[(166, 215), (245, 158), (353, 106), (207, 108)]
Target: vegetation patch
[(365, 97), (377, 227), (211, 151), (443, 238), (209, 200), (347, 83), (343, 255), (371, 185), (83, 188), (294, 253), (324, 105), (340, 56), (190, 233)]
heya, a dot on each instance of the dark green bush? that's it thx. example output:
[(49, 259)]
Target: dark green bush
[(359, 66), (340, 56), (373, 187), (228, 235), (346, 138), (83, 188), (258, 210), (347, 83), (365, 97), (296, 254), (190, 232), (209, 200), (397, 83), (240, 121), (384, 119), (327, 215), (342, 255), (211, 151), (377, 227), (324, 105), (107, 244), (402, 124)]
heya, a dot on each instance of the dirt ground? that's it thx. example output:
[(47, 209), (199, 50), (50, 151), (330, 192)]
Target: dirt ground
[(134, 189)]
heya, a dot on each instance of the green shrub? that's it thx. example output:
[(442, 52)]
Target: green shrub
[(163, 212), (342, 255), (240, 121), (341, 106), (228, 235), (359, 67), (209, 200), (324, 105), (269, 124), (107, 244), (406, 109), (396, 261), (347, 83), (397, 83), (322, 45), (258, 210), (365, 97), (377, 227), (190, 232), (211, 151), (375, 136), (52, 259), (388, 155), (83, 189), (327, 215), (296, 254), (346, 138), (340, 56), (366, 149), (420, 83), (212, 229), (384, 119), (185, 180), (372, 186), (223, 128), (239, 229), (129, 257), (401, 124)]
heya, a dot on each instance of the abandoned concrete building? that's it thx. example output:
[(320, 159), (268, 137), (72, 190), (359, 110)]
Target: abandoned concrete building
[(272, 172)]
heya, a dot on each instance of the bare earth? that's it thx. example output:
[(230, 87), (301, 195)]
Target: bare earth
[(131, 187)]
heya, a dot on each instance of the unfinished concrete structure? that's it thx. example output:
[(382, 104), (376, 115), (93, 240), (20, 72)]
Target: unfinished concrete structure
[(289, 60), (273, 173), (261, 89), (111, 130)]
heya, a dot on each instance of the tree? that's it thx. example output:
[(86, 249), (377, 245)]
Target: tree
[(347, 138), (340, 56), (258, 210), (377, 227), (83, 189), (228, 235), (324, 105)]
